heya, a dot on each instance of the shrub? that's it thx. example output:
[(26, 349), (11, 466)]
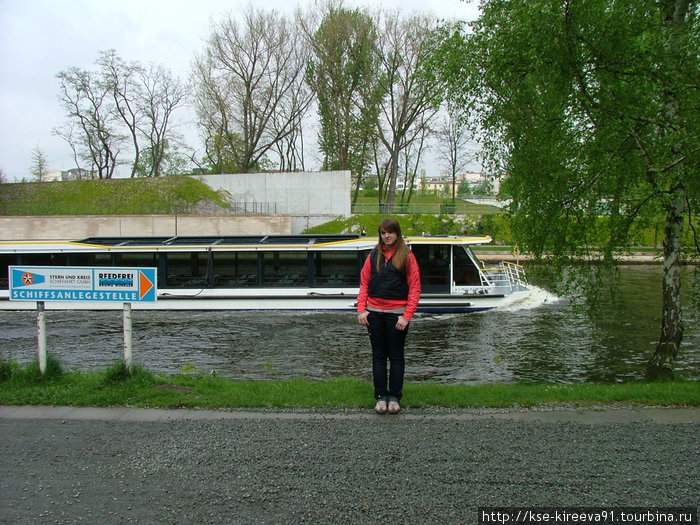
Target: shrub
[(7, 369), (32, 374), (119, 373)]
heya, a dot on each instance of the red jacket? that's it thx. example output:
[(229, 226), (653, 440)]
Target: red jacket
[(412, 276)]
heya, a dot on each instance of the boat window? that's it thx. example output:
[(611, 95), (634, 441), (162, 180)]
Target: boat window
[(42, 259), (235, 269), (90, 259), (338, 269), (136, 259), (285, 269), (434, 263), (186, 269), (465, 272), (5, 261)]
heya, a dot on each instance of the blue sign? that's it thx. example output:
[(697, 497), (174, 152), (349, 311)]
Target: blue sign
[(82, 283)]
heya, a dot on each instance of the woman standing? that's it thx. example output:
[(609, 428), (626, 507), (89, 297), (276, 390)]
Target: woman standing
[(389, 294)]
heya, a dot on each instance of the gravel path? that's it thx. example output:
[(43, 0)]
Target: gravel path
[(421, 467)]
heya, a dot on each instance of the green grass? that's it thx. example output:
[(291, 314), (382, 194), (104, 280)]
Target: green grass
[(420, 224), (429, 203), (164, 195), (116, 386)]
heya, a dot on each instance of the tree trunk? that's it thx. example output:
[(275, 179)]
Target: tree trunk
[(660, 366), (356, 191), (393, 175)]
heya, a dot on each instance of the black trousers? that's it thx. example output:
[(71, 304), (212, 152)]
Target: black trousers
[(387, 344)]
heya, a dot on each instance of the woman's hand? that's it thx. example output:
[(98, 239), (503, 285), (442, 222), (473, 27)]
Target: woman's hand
[(362, 318), (401, 323)]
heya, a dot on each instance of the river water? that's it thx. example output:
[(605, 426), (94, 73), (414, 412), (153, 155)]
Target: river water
[(546, 339)]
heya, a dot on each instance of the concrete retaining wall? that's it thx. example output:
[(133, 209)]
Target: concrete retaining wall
[(310, 198), (67, 227), (300, 200), (302, 194)]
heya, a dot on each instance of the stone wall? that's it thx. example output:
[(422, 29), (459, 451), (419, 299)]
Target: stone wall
[(72, 227)]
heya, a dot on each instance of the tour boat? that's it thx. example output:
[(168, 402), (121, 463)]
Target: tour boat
[(269, 272)]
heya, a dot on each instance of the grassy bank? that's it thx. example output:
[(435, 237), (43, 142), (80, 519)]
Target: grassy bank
[(164, 195), (497, 226), (116, 387)]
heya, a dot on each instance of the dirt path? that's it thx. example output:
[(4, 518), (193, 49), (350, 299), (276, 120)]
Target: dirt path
[(63, 465)]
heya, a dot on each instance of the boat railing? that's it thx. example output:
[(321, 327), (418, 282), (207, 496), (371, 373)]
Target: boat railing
[(506, 275), (486, 280)]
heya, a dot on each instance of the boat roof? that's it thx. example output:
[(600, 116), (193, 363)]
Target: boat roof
[(214, 242)]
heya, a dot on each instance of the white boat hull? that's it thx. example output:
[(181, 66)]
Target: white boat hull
[(268, 299)]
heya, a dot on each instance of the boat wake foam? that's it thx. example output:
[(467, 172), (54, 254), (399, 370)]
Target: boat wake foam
[(536, 298)]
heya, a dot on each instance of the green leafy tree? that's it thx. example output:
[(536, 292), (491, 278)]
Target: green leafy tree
[(39, 163), (370, 182), (343, 74), (171, 163), (589, 111), (463, 189), (223, 152)]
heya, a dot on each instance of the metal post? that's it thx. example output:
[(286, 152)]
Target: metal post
[(41, 335), (128, 359)]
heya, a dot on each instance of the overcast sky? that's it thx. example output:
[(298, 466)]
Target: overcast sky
[(40, 38)]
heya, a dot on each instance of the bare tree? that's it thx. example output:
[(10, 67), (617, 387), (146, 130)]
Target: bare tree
[(287, 121), (408, 105), (453, 138), (120, 79), (411, 156), (120, 102), (3, 177), (160, 94), (67, 133), (88, 103), (290, 149), (248, 85), (221, 146)]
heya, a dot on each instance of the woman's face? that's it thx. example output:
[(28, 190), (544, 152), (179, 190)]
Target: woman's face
[(388, 238)]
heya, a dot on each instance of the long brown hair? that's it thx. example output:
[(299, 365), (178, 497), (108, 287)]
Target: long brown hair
[(391, 225)]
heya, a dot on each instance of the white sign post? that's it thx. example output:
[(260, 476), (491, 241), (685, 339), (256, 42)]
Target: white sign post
[(41, 335), (82, 284), (128, 357)]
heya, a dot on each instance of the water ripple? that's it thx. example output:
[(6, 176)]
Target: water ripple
[(544, 340)]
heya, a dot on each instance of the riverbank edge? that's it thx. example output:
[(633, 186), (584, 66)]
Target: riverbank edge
[(114, 386)]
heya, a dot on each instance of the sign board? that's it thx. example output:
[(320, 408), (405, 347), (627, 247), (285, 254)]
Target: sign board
[(82, 283)]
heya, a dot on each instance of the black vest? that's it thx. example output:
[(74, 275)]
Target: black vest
[(388, 283)]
